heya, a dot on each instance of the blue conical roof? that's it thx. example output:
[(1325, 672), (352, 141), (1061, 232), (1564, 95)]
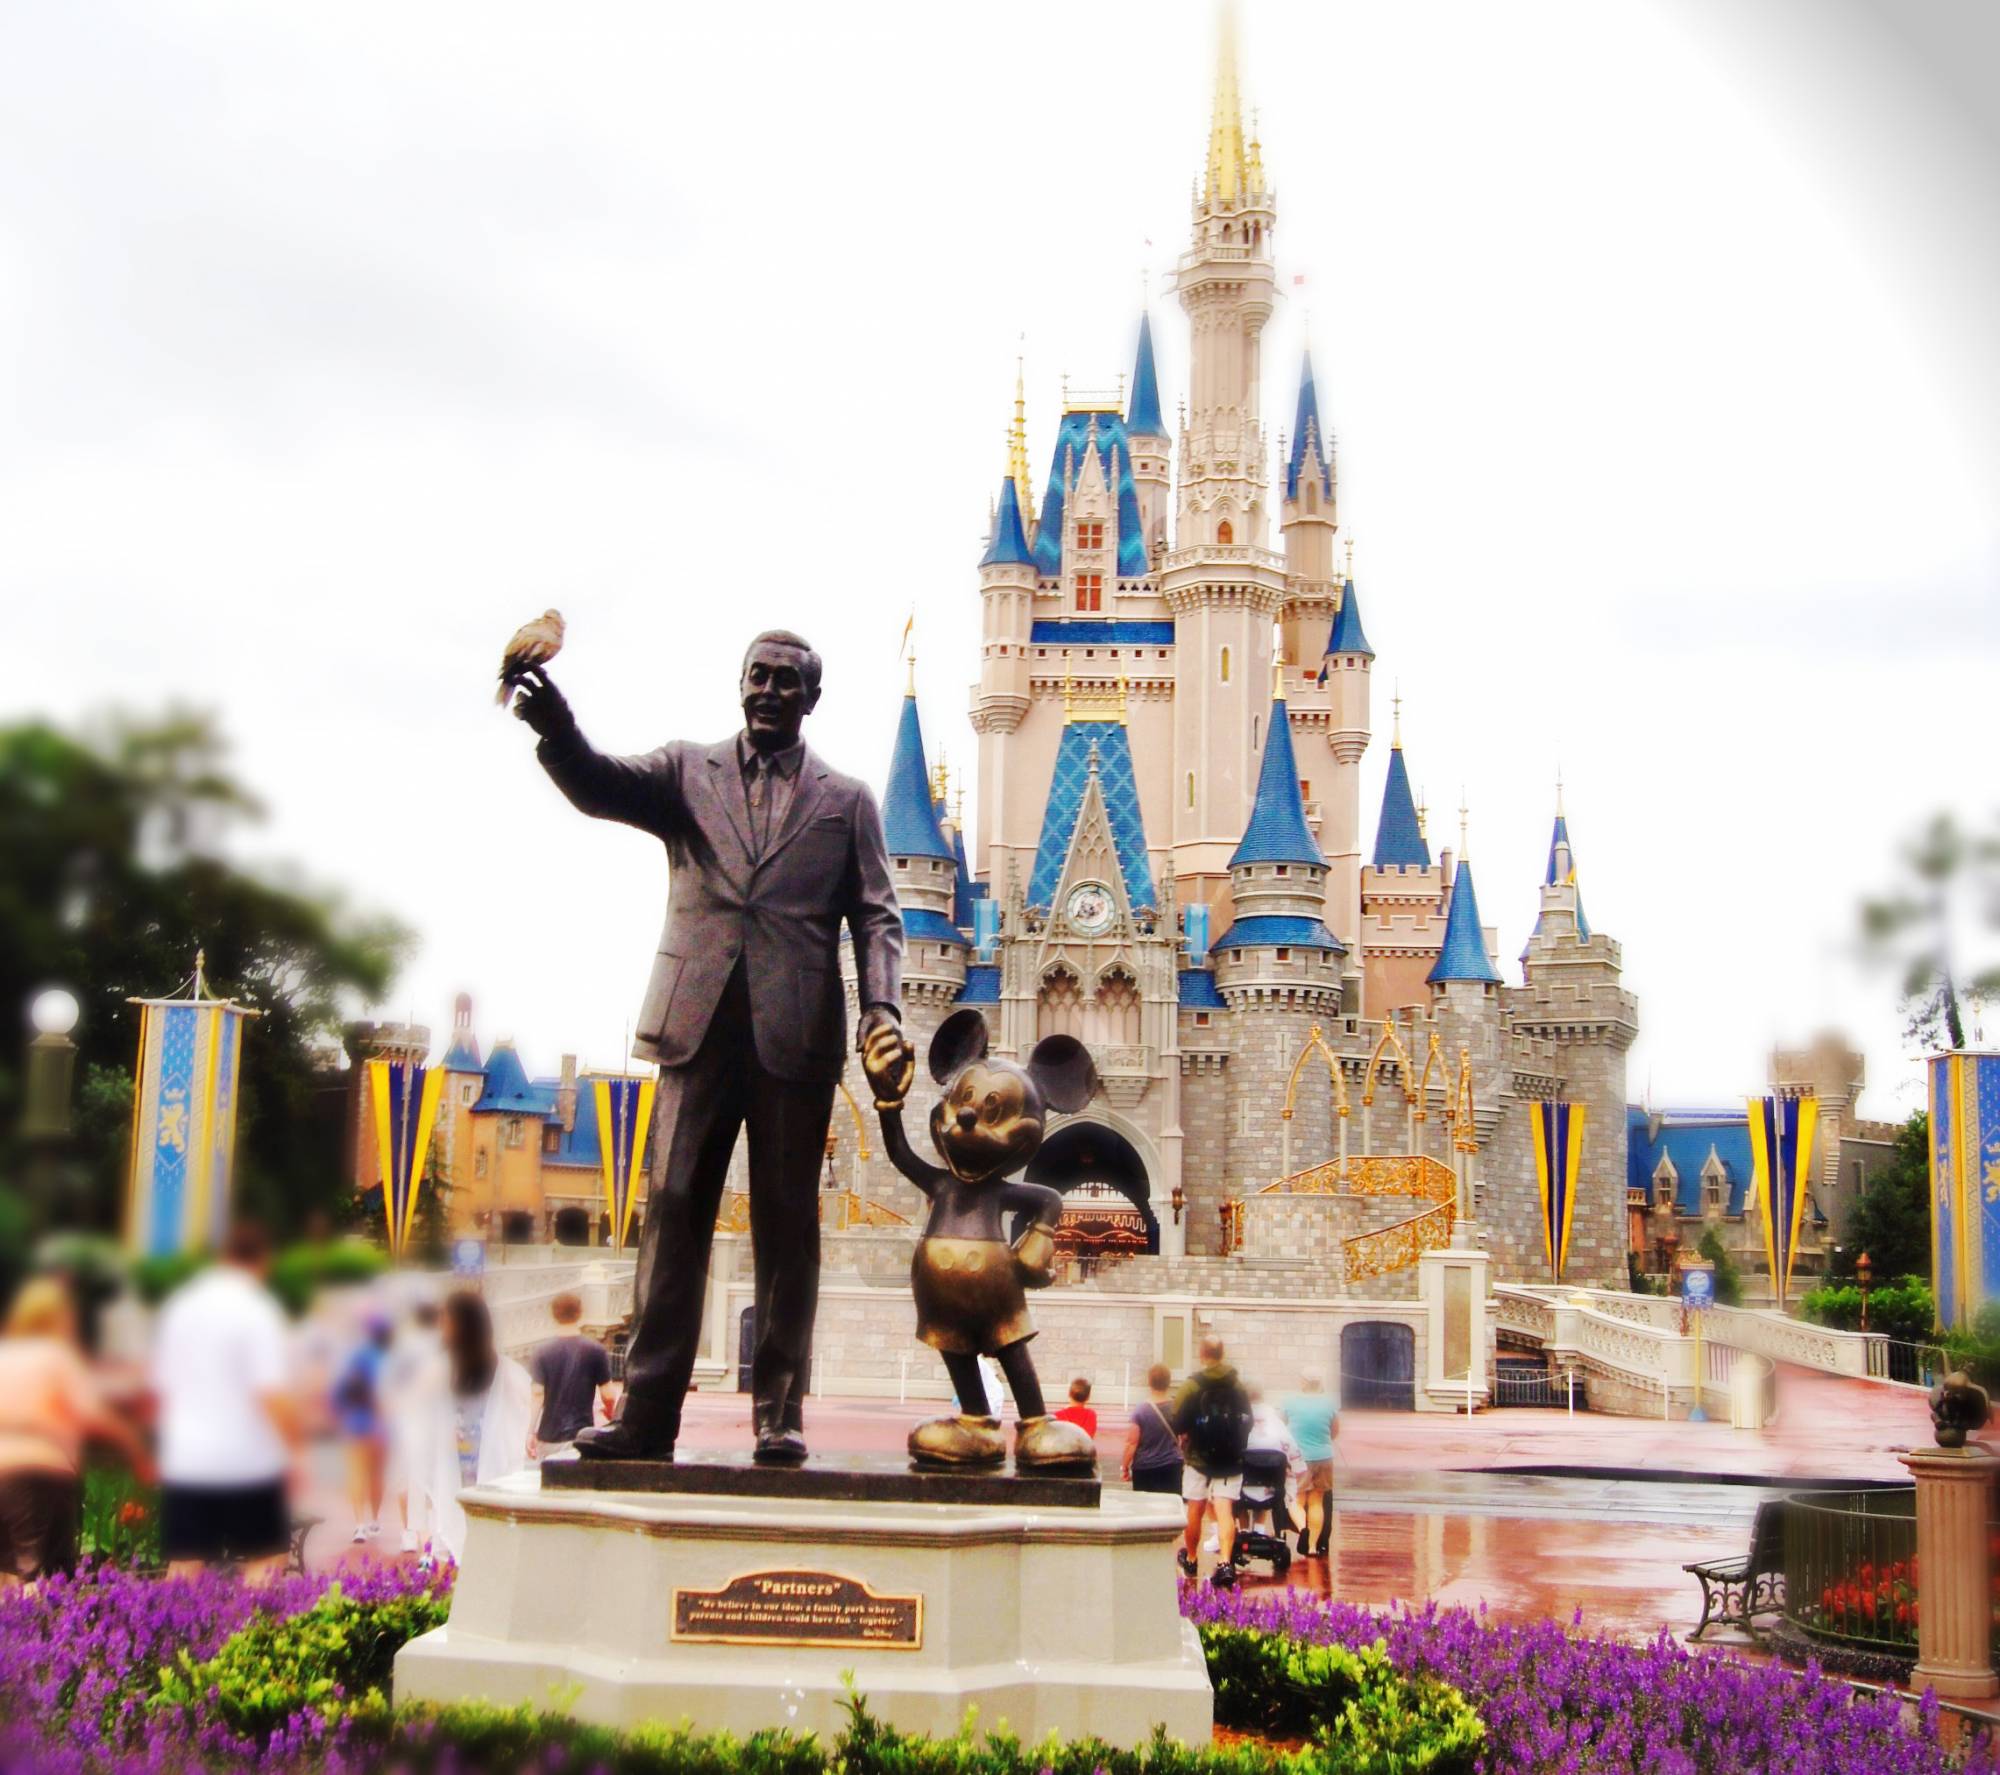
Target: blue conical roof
[(1009, 547), (1464, 954), (1278, 832), (1558, 840), (1399, 838), (1347, 635), (1306, 428), (909, 820), (1142, 411)]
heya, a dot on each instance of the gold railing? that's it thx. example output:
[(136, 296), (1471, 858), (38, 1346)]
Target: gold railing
[(1396, 1247), (838, 1210), (1385, 1174)]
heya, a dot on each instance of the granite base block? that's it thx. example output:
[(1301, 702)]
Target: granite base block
[(616, 1607)]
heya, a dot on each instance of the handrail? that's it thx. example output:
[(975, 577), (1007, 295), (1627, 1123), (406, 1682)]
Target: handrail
[(1393, 1248)]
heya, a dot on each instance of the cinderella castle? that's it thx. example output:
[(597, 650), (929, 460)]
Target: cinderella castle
[(1190, 850)]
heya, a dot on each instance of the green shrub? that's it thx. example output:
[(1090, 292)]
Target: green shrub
[(1904, 1309), (301, 1271), (154, 1278), (335, 1655), (1356, 1709), (1728, 1278)]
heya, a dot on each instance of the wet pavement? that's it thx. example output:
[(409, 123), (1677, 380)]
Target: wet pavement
[(1427, 1509)]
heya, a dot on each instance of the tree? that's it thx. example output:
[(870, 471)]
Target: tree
[(1728, 1278), (1892, 1220), (111, 878), (1912, 926)]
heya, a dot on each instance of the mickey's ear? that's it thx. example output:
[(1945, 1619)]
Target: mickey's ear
[(1063, 1072), (961, 1039)]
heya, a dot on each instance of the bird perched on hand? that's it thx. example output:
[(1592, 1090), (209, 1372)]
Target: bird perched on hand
[(534, 644)]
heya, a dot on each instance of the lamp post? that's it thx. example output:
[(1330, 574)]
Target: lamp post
[(1178, 1200), (51, 1065), (1864, 1272)]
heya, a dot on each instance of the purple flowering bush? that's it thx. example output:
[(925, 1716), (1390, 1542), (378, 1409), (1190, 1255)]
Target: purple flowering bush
[(1556, 1701)]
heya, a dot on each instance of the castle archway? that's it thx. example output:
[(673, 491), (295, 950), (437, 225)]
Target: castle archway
[(1087, 1152)]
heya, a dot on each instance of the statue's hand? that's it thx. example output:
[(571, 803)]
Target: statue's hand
[(888, 1062), (541, 705), (1035, 1256)]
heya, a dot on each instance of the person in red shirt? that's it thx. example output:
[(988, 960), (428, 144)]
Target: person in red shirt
[(1079, 1410)]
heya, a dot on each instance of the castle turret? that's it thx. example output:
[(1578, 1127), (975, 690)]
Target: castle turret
[(1308, 519), (1561, 916), (923, 867), (1464, 961), (1223, 584), (1007, 613), (1278, 941), (1345, 671), (1152, 451), (1402, 892)]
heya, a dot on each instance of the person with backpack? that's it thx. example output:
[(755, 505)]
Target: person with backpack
[(1211, 1415)]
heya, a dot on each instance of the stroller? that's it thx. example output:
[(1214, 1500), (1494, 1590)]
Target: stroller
[(1263, 1490)]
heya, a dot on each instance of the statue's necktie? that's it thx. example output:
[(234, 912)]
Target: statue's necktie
[(760, 804)]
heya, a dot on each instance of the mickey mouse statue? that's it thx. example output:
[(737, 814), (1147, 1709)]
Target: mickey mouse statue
[(967, 1278)]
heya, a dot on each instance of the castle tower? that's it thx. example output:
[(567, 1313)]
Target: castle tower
[(924, 869), (1574, 1002), (1278, 966), (1000, 700), (1402, 897), (1345, 670), (1223, 584), (464, 1082), (1308, 523), (1152, 450)]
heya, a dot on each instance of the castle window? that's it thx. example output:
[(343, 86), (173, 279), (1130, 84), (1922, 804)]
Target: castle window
[(1090, 591), (1284, 955), (1190, 791), (551, 1138), (1201, 1019), (1305, 789), (1090, 536), (479, 1163), (513, 1132), (1282, 869), (1225, 531), (1225, 665)]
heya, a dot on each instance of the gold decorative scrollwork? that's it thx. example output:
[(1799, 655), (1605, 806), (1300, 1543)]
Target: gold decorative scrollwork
[(1396, 1247), (857, 1210), (860, 1127), (733, 1215), (1389, 1042), (1315, 1043), (1385, 1174)]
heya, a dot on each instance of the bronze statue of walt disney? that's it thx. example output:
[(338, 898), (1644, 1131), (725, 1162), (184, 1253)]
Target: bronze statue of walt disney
[(969, 1280)]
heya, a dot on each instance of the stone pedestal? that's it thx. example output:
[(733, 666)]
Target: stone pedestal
[(735, 1613), (1955, 1506), (1454, 1287)]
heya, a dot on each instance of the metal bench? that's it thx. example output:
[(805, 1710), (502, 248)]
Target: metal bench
[(302, 1526), (1734, 1591)]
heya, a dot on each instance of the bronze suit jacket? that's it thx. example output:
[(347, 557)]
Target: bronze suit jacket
[(780, 914)]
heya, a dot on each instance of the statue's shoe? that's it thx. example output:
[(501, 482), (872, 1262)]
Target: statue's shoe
[(780, 1448), (623, 1442), (958, 1442), (1044, 1445)]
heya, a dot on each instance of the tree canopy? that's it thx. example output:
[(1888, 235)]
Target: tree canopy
[(112, 877)]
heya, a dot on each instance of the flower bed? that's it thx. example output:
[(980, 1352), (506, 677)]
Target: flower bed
[(111, 1674), (1556, 1701)]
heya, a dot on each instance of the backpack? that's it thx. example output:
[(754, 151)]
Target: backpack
[(1216, 1424)]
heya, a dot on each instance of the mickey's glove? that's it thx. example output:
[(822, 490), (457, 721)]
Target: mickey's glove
[(1035, 1256)]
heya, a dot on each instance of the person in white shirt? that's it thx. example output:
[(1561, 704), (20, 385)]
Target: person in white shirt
[(413, 1353), (472, 1423), (228, 1421)]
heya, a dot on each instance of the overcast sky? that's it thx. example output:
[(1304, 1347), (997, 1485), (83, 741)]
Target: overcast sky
[(1657, 335)]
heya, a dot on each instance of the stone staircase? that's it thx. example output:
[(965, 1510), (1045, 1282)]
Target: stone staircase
[(1257, 1278)]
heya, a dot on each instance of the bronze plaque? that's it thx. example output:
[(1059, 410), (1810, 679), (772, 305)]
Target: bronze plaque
[(792, 1608)]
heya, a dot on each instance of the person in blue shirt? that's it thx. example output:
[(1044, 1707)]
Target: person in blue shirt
[(357, 1409), (1314, 1419)]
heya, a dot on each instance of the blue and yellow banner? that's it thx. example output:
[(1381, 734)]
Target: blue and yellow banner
[(184, 1099), (1781, 1144), (405, 1099), (1965, 1184), (1557, 1133), (624, 1115)]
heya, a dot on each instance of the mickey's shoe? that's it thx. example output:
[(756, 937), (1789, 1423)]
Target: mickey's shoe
[(958, 1442), (1049, 1445)]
